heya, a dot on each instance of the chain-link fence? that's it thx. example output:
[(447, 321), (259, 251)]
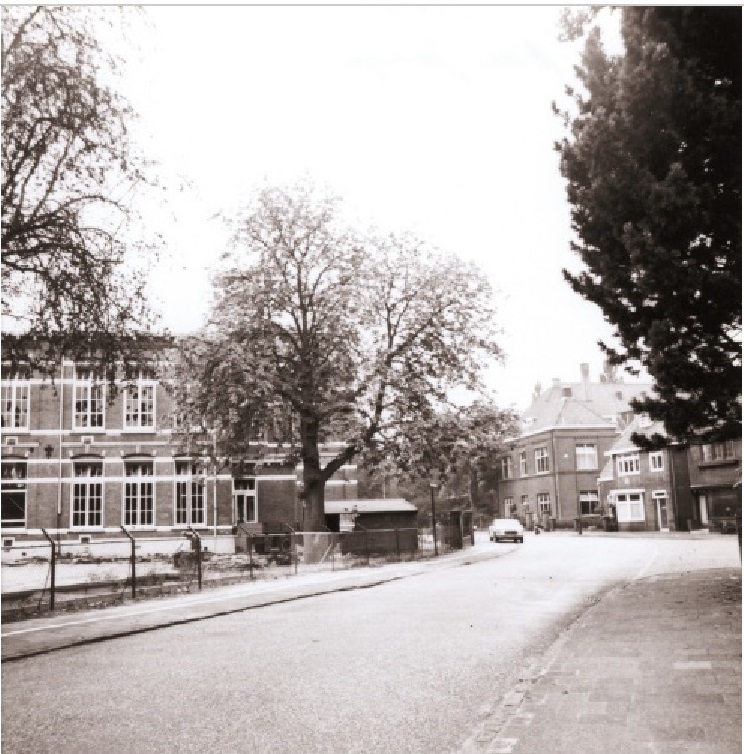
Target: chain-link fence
[(78, 574)]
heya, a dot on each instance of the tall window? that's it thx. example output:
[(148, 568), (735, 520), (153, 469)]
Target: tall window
[(89, 401), (189, 495), (719, 451), (525, 502), (542, 463), (656, 460), (629, 506), (87, 494), (543, 502), (589, 502), (244, 496), (139, 404), (586, 456), (14, 398), (628, 463), (523, 463), (508, 506), (13, 494), (506, 468), (139, 506)]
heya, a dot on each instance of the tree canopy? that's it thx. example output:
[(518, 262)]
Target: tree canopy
[(652, 161), (329, 334), (69, 173)]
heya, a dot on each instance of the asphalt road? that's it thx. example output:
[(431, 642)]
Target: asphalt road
[(401, 667)]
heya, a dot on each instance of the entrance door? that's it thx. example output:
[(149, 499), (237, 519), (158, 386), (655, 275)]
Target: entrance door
[(703, 510), (662, 515)]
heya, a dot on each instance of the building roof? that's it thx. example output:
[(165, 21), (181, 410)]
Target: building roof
[(583, 403), (623, 444), (379, 505), (640, 425)]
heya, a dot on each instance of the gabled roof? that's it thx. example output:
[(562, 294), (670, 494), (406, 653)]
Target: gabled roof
[(578, 404), (641, 426), (380, 505)]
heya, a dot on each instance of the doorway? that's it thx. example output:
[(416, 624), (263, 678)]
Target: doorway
[(662, 513), (703, 500)]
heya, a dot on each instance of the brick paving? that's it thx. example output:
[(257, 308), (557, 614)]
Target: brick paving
[(655, 666)]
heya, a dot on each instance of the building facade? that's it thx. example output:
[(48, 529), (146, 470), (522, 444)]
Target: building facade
[(552, 467), (80, 461), (646, 490)]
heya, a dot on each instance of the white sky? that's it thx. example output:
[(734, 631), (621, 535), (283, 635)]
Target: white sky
[(431, 119)]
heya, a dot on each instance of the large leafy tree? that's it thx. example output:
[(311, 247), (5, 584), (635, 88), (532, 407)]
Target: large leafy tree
[(652, 161), (69, 174), (331, 335), (453, 448)]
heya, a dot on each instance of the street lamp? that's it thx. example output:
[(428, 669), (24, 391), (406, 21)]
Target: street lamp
[(433, 486)]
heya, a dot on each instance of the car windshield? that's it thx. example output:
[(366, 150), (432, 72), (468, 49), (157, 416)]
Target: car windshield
[(506, 522)]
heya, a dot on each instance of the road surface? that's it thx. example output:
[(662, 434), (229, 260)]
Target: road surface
[(401, 667)]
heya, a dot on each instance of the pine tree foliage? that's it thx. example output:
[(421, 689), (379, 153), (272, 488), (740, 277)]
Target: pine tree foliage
[(652, 161), (326, 333), (69, 174)]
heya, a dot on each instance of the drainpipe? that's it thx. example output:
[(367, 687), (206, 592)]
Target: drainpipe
[(557, 485), (214, 494), (673, 485), (59, 454)]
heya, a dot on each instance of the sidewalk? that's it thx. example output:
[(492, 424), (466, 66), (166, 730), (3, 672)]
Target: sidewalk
[(35, 636), (653, 667)]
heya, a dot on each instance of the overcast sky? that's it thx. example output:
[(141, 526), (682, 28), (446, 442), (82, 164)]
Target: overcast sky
[(431, 119)]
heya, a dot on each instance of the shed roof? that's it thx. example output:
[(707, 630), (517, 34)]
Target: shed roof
[(379, 505)]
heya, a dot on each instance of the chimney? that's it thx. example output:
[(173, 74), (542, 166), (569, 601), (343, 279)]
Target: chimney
[(585, 379), (556, 382)]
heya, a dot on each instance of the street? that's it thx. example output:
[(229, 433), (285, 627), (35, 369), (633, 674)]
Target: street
[(401, 667)]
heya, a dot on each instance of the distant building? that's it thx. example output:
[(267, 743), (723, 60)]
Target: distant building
[(553, 465), (646, 491), (715, 483)]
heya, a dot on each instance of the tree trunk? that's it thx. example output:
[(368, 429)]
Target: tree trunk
[(313, 480)]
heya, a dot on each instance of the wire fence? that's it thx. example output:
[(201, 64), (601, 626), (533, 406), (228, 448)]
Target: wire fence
[(67, 575)]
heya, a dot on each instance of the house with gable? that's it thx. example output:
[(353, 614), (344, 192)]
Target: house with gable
[(646, 490), (551, 469)]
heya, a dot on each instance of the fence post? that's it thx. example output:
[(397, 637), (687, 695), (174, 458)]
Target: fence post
[(198, 556), (53, 566), (366, 541), (293, 540), (133, 560), (250, 554), (397, 543)]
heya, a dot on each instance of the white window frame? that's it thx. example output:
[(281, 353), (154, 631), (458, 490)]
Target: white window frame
[(189, 499), (249, 493), (135, 495), (542, 460), (543, 503), (16, 484), (17, 402), (628, 464), (525, 501), (656, 460), (134, 416), (508, 505), (87, 495), (624, 507), (523, 463), (506, 468), (83, 389), (586, 456), (589, 496)]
